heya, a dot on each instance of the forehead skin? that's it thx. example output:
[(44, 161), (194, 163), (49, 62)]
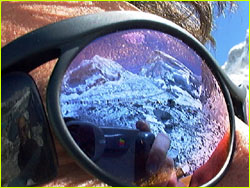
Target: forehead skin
[(19, 18)]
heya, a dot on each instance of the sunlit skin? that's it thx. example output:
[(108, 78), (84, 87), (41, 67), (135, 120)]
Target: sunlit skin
[(19, 18)]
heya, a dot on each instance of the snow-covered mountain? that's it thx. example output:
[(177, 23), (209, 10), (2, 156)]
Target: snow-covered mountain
[(237, 65), (91, 73), (165, 93), (163, 67)]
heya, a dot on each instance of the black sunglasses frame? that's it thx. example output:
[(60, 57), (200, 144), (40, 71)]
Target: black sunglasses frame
[(65, 39)]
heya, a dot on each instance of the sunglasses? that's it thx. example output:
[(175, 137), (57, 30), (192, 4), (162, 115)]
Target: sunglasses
[(117, 70)]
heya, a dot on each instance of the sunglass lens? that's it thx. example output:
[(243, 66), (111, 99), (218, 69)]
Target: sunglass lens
[(28, 154), (149, 76)]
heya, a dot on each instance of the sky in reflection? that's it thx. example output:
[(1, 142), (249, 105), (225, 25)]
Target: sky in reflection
[(133, 48)]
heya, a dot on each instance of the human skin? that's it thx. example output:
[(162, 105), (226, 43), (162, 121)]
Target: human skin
[(19, 18)]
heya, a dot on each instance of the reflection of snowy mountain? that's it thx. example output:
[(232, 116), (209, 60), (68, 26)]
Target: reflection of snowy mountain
[(168, 71), (102, 92), (237, 65), (91, 73)]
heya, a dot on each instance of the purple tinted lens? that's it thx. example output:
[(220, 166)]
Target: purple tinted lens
[(143, 74)]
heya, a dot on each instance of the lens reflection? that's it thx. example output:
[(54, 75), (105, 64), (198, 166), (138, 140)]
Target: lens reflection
[(145, 75)]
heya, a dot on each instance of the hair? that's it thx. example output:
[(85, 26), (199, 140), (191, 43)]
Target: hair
[(195, 16)]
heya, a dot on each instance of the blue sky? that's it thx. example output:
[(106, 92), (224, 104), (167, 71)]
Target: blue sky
[(230, 30)]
